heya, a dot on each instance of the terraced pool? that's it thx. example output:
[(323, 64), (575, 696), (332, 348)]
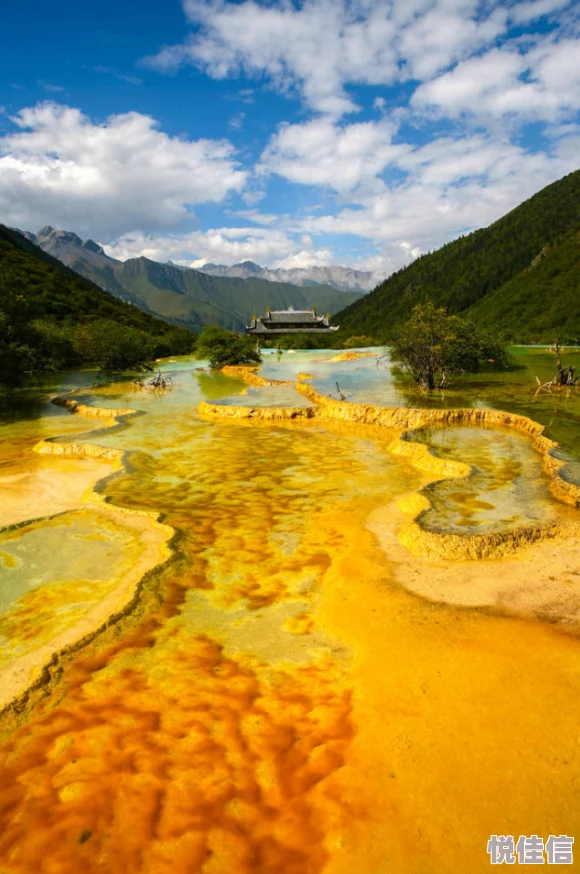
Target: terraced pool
[(230, 656)]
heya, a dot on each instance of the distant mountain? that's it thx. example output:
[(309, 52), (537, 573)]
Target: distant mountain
[(181, 295), (341, 278), (55, 292), (520, 276)]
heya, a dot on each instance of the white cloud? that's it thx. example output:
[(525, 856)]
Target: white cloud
[(281, 247), (317, 48), (469, 71), (255, 216), (52, 89), (306, 258), (321, 153), (320, 47), (543, 84), (348, 159), (220, 245), (126, 182), (236, 122), (107, 179), (446, 33), (453, 186), (523, 13)]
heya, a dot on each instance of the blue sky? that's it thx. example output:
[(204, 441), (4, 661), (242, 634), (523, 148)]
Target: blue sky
[(357, 132)]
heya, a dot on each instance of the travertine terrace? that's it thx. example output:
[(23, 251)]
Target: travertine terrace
[(314, 647)]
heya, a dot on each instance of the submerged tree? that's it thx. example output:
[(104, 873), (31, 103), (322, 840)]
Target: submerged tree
[(565, 376), (221, 347), (431, 345)]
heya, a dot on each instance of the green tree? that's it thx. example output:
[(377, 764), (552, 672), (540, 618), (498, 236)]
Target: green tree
[(53, 318), (520, 275), (358, 342), (55, 345), (433, 344), (178, 341), (16, 356), (17, 338), (113, 346), (221, 347)]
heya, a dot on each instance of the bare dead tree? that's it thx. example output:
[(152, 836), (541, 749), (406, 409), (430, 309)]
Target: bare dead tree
[(565, 376)]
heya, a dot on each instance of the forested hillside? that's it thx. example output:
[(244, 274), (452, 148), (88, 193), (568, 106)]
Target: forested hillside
[(51, 317), (196, 299), (541, 302), (519, 275)]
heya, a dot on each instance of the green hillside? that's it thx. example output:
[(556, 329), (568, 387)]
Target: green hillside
[(185, 296), (52, 317), (541, 302), (56, 292), (489, 274), (196, 298)]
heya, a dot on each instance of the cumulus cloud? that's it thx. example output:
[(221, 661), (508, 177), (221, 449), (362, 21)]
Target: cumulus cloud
[(284, 247), (451, 186), (315, 48), (543, 84), (446, 33), (307, 258), (107, 179), (393, 182), (461, 63), (236, 122), (448, 187), (523, 13), (351, 160), (221, 245), (343, 158), (318, 47)]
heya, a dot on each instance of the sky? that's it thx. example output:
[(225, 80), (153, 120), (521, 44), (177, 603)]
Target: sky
[(287, 132)]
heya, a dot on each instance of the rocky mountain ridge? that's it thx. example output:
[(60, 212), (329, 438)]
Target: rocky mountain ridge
[(182, 295), (341, 278)]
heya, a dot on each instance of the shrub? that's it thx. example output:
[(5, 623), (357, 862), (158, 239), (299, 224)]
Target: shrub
[(358, 342), (113, 346), (221, 347)]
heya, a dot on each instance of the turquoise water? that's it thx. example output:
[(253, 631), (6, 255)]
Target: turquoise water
[(505, 489), (371, 380)]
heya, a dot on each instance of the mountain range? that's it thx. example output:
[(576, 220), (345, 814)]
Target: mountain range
[(341, 278), (520, 276), (182, 295), (48, 290)]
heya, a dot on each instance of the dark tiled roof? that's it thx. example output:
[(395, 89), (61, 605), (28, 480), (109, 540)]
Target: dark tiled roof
[(293, 317)]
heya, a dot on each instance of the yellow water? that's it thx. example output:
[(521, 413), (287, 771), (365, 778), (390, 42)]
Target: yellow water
[(275, 701)]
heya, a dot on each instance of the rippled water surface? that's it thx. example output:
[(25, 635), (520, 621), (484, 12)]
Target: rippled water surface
[(505, 489), (369, 380), (271, 698)]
